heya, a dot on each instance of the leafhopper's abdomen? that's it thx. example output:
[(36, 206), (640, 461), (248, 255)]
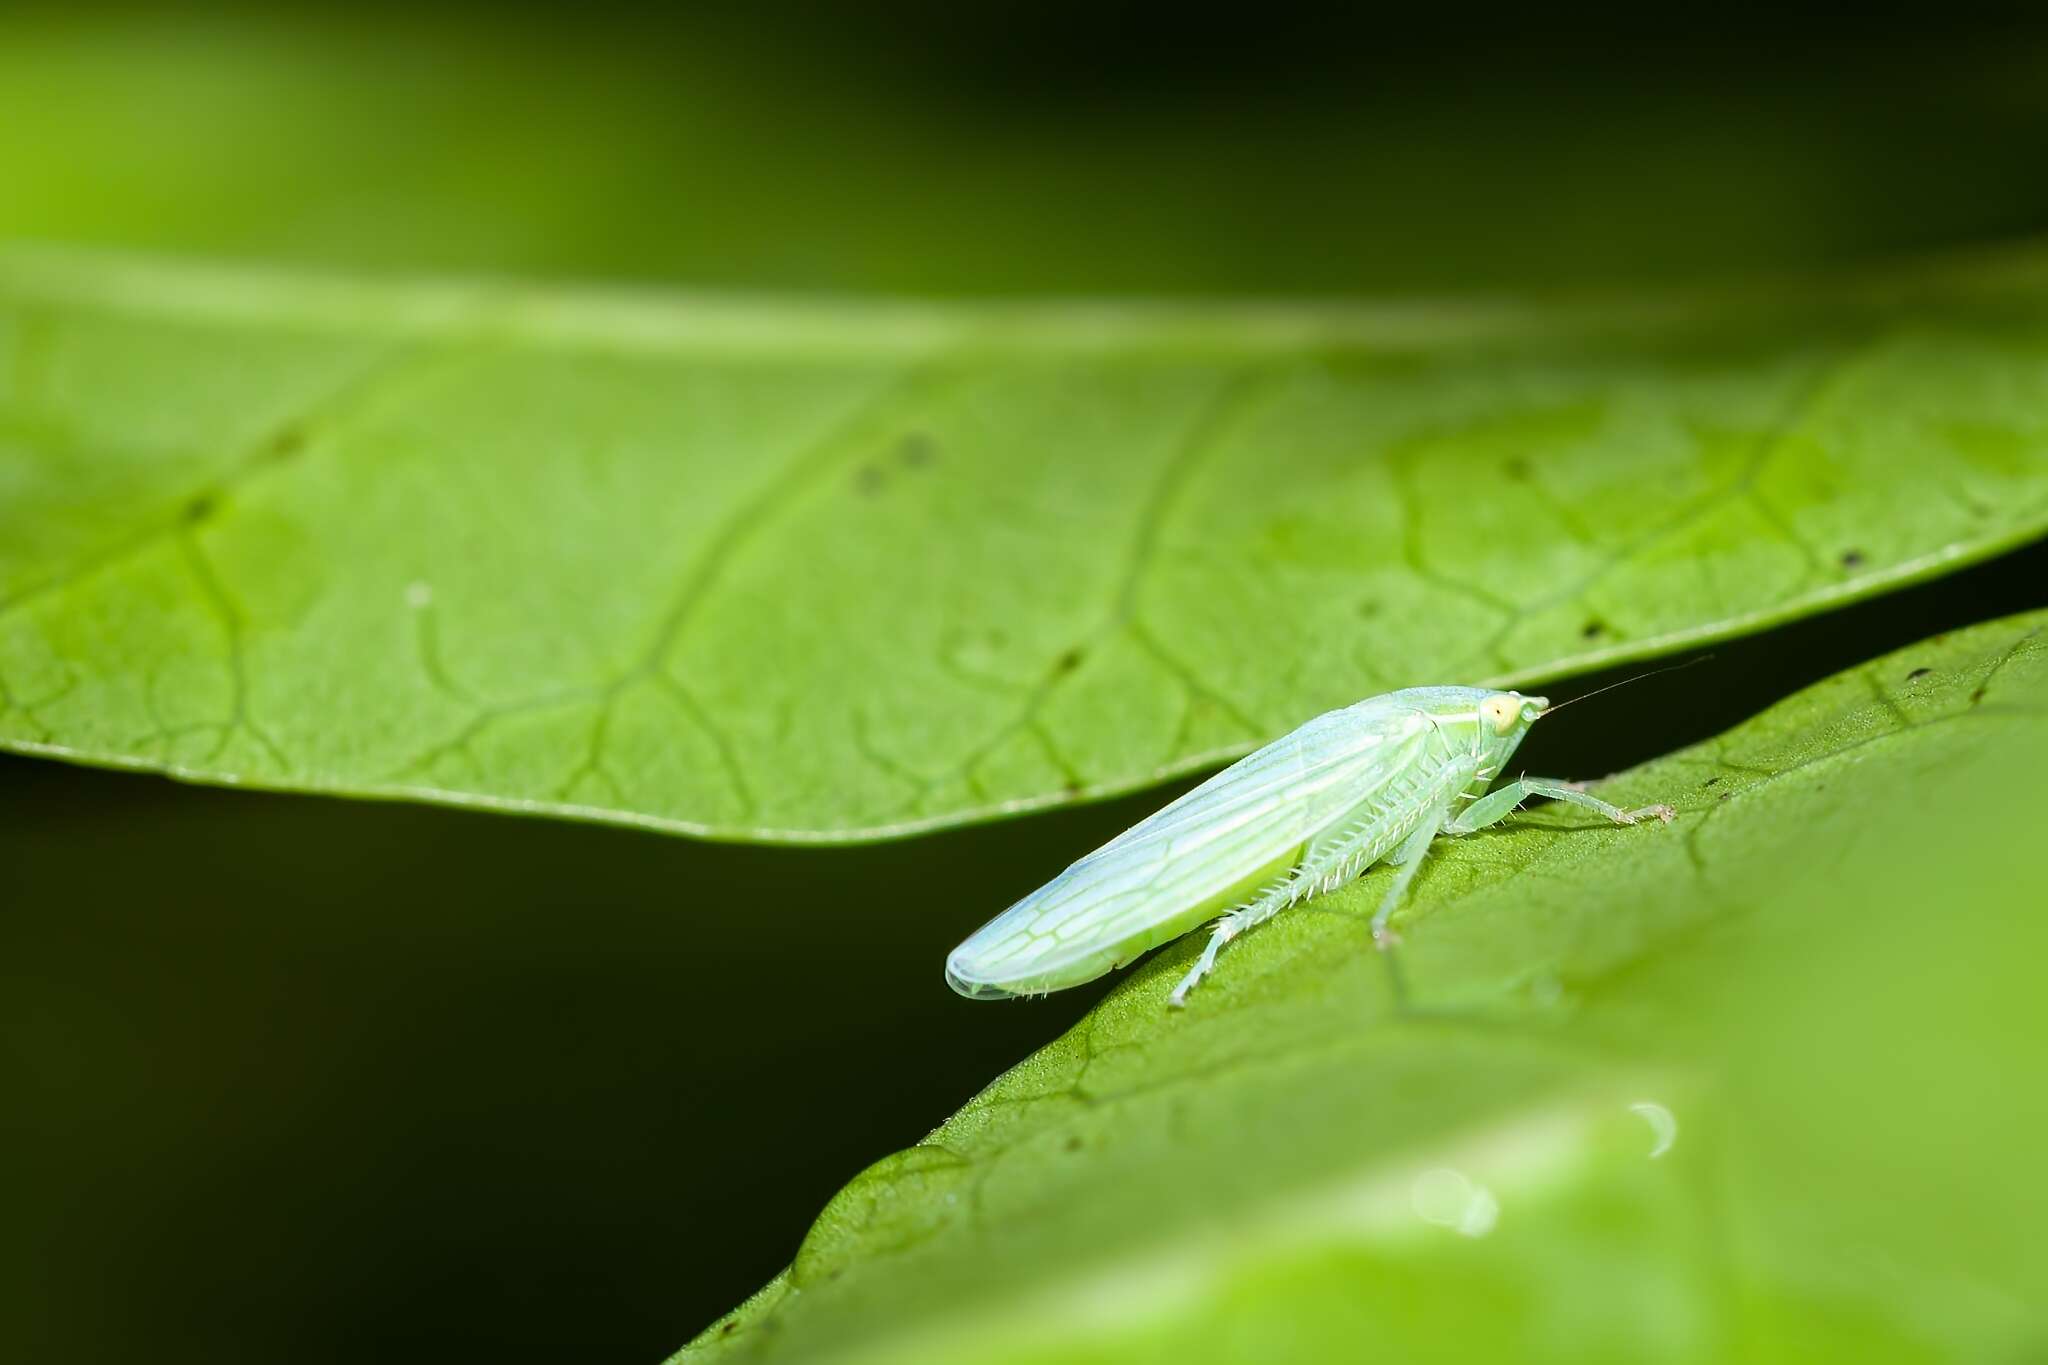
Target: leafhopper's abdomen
[(1007, 958), (1207, 851)]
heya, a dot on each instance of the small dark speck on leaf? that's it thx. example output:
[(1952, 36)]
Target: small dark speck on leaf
[(200, 508), (1976, 694), (869, 479), (730, 1327), (286, 444), (1075, 1144), (1710, 782), (1918, 674), (1071, 787), (1516, 468), (917, 450), (1068, 661), (1593, 630), (1368, 609), (1851, 558)]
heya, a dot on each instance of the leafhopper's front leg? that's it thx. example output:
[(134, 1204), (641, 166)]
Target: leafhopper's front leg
[(1495, 805)]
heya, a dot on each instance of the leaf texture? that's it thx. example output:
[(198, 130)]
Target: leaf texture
[(1747, 1087), (802, 571)]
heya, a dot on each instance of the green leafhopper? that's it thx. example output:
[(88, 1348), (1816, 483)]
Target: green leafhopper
[(1376, 781)]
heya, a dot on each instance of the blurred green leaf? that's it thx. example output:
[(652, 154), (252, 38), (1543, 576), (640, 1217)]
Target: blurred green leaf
[(800, 571), (949, 149), (1753, 1086)]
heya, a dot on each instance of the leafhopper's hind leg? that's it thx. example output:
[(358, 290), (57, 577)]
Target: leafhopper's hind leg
[(1407, 856), (1227, 928), (1495, 806), (1324, 859), (1263, 907)]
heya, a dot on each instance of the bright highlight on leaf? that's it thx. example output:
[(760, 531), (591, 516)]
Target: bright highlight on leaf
[(810, 571)]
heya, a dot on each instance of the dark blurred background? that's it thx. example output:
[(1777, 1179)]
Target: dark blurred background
[(911, 145), (291, 1078)]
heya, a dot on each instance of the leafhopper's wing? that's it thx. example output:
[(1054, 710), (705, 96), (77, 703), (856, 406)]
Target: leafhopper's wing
[(1207, 851)]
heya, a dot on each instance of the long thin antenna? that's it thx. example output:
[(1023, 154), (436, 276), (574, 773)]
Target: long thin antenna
[(1668, 668)]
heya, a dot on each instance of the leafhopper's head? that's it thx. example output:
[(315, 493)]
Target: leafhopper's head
[(1510, 714), (1492, 721)]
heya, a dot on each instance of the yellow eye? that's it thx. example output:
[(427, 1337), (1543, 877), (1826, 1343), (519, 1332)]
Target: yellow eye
[(1501, 711)]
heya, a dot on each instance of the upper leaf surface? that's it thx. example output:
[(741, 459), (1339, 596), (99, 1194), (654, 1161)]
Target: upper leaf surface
[(1743, 1087), (807, 571)]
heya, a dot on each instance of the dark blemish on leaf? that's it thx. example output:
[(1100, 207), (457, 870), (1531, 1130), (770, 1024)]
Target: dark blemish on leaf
[(729, 1328), (285, 444), (1068, 662), (1710, 782), (200, 508), (1977, 693), (1368, 609), (1918, 674), (1593, 630), (1517, 469), (917, 450), (869, 480), (1075, 1144), (1852, 558), (1071, 788)]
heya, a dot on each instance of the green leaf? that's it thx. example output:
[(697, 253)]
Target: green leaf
[(810, 571), (798, 151), (1757, 1085)]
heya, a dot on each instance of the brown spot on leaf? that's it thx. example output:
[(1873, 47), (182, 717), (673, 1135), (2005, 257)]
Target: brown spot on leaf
[(1918, 674), (285, 443), (917, 450), (1852, 559)]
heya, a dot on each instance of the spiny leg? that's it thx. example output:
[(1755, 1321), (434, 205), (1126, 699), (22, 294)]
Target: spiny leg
[(1408, 861), (1226, 929), (1496, 805), (1408, 858), (1270, 902)]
